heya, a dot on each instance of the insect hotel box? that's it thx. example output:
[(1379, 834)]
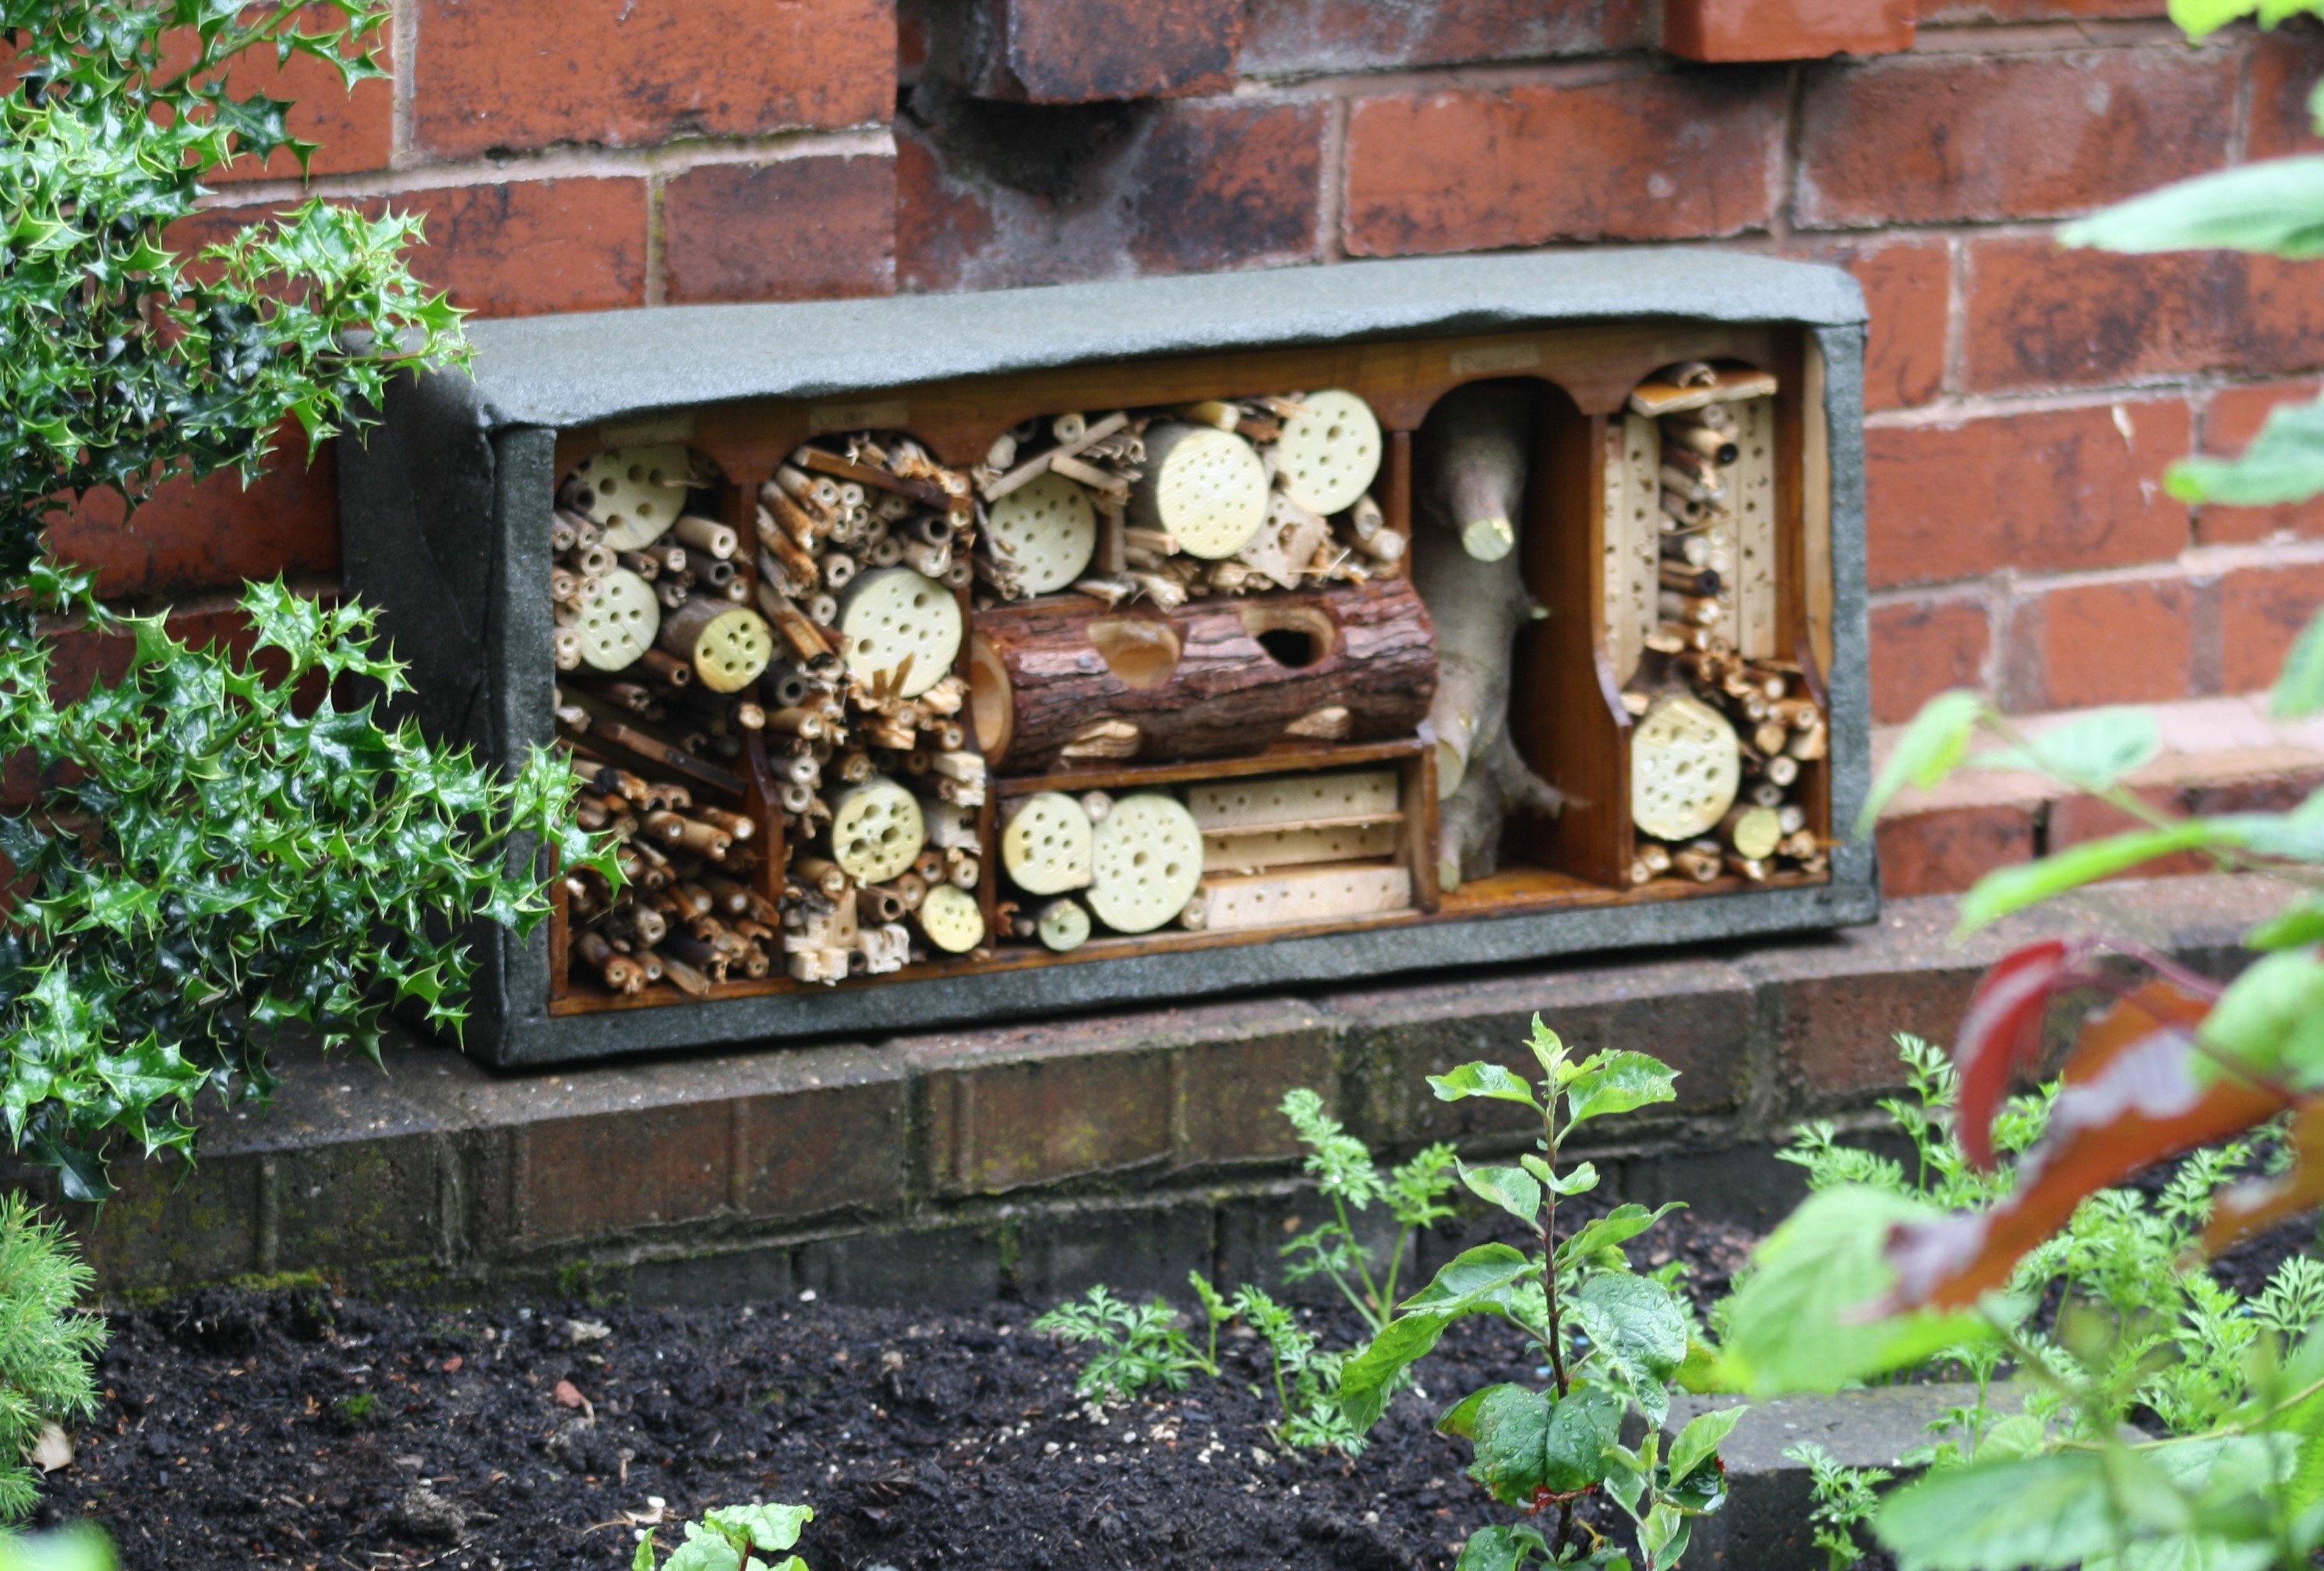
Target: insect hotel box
[(952, 657)]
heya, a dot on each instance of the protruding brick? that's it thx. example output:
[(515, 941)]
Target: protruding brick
[(2285, 65), (494, 74), (1921, 647), (1729, 31), (609, 1171), (2051, 490), (1946, 850), (1908, 288), (2261, 610), (168, 1226), (534, 247), (2231, 420), (1204, 186), (2039, 317), (1043, 1104), (1284, 37), (813, 1150), (799, 229), (213, 534), (1648, 157), (1077, 51), (1936, 139), (1232, 1079)]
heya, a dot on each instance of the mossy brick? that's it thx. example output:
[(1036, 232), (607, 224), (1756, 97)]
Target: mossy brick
[(371, 1201), (961, 1265), (758, 1274), (1144, 1245), (1693, 1014), (172, 1224), (831, 1142), (1233, 1072)]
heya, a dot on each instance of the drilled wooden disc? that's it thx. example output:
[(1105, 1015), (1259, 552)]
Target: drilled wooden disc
[(731, 649), (951, 920), (1211, 494), (1046, 849), (635, 493), (876, 831), (1046, 531), (892, 614), (1064, 925), (1685, 765), (1329, 455), (1147, 861), (619, 621)]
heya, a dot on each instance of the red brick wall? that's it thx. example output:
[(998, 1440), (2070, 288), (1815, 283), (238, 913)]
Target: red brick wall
[(582, 154)]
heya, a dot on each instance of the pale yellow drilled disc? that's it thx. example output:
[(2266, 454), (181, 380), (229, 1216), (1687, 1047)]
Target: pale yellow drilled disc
[(1685, 765), (1046, 529), (1328, 456), (733, 650), (1211, 493), (950, 917), (1147, 861), (876, 831), (618, 621), (1046, 847), (636, 493), (892, 614), (1064, 926)]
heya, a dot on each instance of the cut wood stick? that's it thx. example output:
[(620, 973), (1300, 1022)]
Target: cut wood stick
[(1039, 463), (832, 464)]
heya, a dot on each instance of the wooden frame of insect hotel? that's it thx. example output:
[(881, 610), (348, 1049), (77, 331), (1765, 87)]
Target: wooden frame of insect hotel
[(948, 657)]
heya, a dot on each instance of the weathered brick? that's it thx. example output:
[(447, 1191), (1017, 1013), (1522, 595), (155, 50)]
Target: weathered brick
[(1044, 1104), (2262, 609), (801, 228), (810, 1150), (1786, 30), (2285, 64), (2233, 418), (1693, 1014), (1646, 158), (1232, 1079), (1934, 139), (1907, 287), (2044, 490), (2117, 641), (609, 1170), (2078, 820), (169, 1227), (1201, 187), (494, 74), (1944, 850), (213, 534), (1290, 37), (2275, 322), (534, 247), (355, 126), (1085, 51), (1921, 647), (378, 1201)]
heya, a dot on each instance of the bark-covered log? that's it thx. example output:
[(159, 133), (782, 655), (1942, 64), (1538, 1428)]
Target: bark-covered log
[(1055, 683)]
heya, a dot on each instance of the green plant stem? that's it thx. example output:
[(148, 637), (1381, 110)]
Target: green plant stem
[(1375, 1312), (1549, 1252), (1394, 1264)]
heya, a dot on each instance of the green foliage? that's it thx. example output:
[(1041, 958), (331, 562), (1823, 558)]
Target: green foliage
[(1138, 1345), (1614, 1340), (210, 859), (1415, 1193), (77, 1548), (2201, 17), (1307, 1377), (45, 1348), (733, 1537), (1845, 1501)]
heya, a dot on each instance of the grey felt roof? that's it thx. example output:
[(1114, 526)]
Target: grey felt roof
[(583, 370)]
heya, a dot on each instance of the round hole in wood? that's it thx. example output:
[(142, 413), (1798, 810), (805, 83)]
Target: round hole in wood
[(992, 708), (1294, 635), (1140, 651)]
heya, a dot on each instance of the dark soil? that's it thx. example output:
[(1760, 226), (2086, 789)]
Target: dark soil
[(304, 1429)]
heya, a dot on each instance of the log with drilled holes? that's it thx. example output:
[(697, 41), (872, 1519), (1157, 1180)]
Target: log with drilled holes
[(1060, 682)]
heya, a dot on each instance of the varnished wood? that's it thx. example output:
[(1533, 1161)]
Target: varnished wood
[(1283, 760)]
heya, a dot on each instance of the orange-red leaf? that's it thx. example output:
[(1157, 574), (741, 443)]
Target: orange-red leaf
[(2001, 1032), (2248, 1207), (2132, 1098)]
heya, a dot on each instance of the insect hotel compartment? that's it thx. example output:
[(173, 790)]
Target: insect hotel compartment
[(941, 658)]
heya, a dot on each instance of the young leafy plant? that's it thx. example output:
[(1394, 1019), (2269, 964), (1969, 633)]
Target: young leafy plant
[(733, 1537), (1613, 1340), (1137, 1346), (1415, 1193), (1845, 1499)]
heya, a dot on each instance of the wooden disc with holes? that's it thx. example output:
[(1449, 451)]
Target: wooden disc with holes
[(728, 644), (892, 614), (1685, 765), (1047, 846), (877, 830), (951, 920), (1046, 531), (1145, 863), (635, 493), (1064, 925), (1328, 456), (1203, 487), (619, 619)]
